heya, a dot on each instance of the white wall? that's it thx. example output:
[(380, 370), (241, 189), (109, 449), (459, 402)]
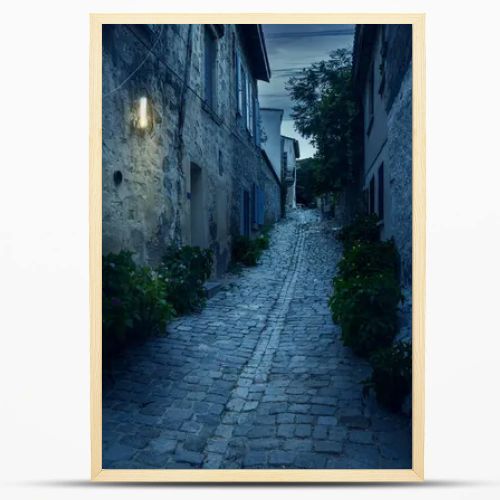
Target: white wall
[(271, 125), (290, 170), (290, 153)]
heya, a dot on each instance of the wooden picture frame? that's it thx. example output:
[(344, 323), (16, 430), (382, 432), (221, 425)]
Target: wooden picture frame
[(419, 249)]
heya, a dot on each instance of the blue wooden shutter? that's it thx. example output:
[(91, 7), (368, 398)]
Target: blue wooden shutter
[(249, 103), (238, 83), (263, 207), (242, 212), (260, 207), (255, 204), (243, 93)]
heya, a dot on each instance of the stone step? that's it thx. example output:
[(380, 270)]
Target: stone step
[(212, 287)]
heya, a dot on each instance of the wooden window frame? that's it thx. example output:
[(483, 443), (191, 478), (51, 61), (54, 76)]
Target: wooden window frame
[(380, 191), (210, 97)]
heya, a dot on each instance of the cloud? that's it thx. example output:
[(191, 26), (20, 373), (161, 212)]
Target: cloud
[(309, 34)]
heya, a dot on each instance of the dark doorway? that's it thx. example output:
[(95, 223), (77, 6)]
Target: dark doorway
[(246, 214), (197, 216)]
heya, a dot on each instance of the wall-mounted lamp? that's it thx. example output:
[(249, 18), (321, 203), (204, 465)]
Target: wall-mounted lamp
[(143, 113)]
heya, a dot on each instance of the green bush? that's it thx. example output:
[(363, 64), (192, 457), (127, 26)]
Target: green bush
[(262, 241), (247, 251), (117, 299), (364, 229), (365, 307), (368, 259), (365, 299), (134, 301), (391, 376), (366, 290), (184, 270), (152, 309)]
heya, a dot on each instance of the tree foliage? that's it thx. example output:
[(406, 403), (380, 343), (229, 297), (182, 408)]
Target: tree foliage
[(326, 111), (306, 180)]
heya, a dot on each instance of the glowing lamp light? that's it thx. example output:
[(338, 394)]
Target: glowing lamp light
[(143, 113)]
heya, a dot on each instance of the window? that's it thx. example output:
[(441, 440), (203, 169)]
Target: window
[(383, 55), (245, 214), (253, 204), (221, 164), (249, 103), (381, 191), (260, 206), (371, 199), (210, 67), (243, 93), (370, 98), (239, 86), (371, 91)]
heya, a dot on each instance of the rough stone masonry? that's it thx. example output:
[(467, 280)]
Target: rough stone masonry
[(148, 178)]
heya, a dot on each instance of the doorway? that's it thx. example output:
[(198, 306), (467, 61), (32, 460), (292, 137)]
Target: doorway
[(246, 214), (197, 214)]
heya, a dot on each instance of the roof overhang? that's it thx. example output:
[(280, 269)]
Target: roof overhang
[(255, 47), (296, 148)]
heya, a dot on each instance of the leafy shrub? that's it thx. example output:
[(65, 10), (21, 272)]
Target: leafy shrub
[(152, 309), (248, 251), (262, 241), (391, 376), (365, 303), (134, 301), (364, 229), (368, 259), (184, 270), (117, 299), (366, 290), (365, 307)]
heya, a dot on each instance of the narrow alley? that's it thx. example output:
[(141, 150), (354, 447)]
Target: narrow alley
[(258, 379)]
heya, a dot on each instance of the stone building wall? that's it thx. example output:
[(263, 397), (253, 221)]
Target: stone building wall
[(399, 155), (387, 49), (272, 195), (142, 206), (398, 103), (189, 154)]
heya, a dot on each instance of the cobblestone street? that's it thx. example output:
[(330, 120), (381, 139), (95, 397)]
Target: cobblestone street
[(258, 379)]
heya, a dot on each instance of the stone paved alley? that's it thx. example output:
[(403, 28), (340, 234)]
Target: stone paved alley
[(258, 379)]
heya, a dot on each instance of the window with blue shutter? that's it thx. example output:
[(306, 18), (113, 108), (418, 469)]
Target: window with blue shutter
[(254, 204), (249, 102), (210, 66), (260, 210), (245, 213), (243, 93), (239, 93), (372, 196), (257, 122), (242, 213), (381, 191)]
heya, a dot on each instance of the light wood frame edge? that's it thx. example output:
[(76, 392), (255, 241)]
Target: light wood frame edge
[(95, 250), (419, 252)]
